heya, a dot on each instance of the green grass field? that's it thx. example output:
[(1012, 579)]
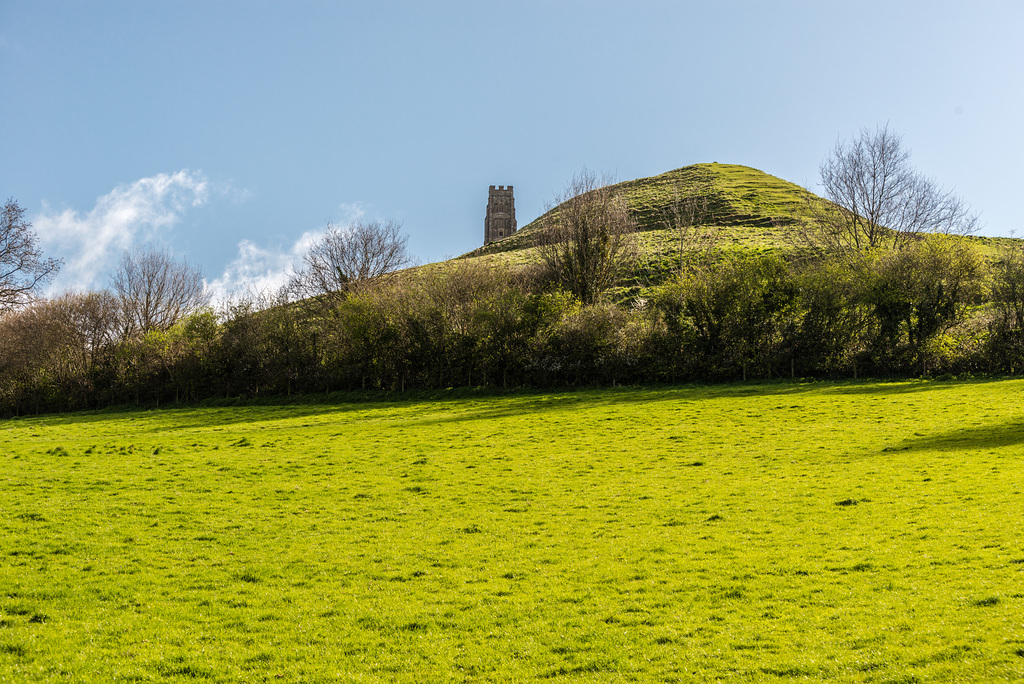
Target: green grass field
[(863, 532)]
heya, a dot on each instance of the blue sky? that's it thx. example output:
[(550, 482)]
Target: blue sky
[(231, 132)]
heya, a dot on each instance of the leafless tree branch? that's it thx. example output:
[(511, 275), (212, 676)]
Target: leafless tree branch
[(154, 290), (22, 267), (686, 214), (585, 240), (876, 197), (347, 257)]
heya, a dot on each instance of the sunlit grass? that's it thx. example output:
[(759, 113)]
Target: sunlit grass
[(852, 532), (750, 210)]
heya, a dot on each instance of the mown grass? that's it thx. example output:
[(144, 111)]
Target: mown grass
[(843, 532)]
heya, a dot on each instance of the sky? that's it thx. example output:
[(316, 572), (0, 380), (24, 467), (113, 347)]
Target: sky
[(231, 132)]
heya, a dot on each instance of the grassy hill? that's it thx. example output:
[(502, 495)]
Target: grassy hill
[(746, 209)]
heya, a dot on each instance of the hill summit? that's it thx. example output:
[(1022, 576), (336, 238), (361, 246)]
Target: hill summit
[(749, 207)]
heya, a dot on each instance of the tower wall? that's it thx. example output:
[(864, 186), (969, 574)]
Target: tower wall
[(500, 221)]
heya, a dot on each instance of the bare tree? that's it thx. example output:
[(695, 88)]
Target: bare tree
[(49, 346), (155, 290), (22, 267), (346, 257), (585, 240), (687, 214), (91, 316), (875, 197)]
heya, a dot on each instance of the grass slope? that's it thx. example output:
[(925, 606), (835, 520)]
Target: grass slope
[(748, 209), (747, 205), (852, 532)]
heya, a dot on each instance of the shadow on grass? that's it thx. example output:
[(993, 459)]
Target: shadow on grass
[(539, 401), (895, 387), (174, 417), (471, 404), (1006, 434)]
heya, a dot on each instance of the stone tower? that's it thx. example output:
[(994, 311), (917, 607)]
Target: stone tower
[(501, 214)]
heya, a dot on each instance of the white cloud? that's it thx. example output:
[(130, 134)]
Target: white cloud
[(92, 243), (261, 270)]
